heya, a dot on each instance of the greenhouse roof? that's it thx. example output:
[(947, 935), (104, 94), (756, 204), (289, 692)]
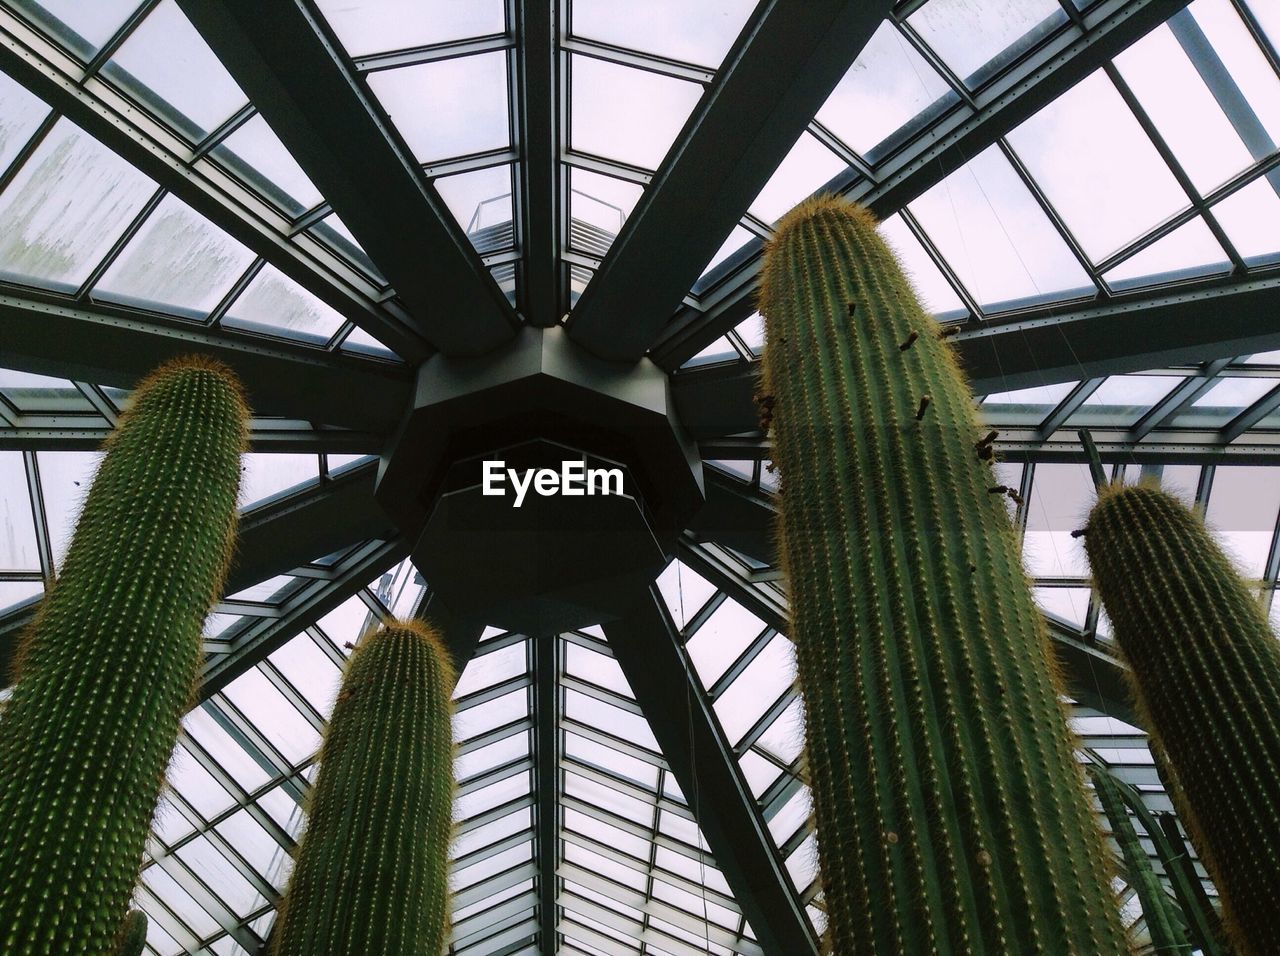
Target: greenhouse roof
[(326, 197)]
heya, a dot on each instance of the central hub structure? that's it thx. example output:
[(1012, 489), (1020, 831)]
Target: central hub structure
[(543, 487)]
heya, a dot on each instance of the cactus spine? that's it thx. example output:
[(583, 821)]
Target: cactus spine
[(109, 665), (1206, 675), (1163, 925), (951, 814), (372, 868), (134, 934)]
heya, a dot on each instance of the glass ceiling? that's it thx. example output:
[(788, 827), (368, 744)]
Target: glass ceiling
[(1156, 173)]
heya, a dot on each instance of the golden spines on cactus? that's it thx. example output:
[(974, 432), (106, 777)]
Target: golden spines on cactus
[(1205, 669), (109, 665), (371, 877), (951, 813)]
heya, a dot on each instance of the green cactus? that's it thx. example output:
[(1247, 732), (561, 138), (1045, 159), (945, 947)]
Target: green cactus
[(1163, 923), (133, 937), (1205, 669), (951, 814), (109, 665), (372, 868)]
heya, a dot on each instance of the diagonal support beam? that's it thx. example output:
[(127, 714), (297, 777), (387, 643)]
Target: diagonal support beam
[(273, 540), (113, 119), (296, 73), (84, 433), (936, 152), (538, 117), (546, 685), (779, 73), (110, 347), (647, 648)]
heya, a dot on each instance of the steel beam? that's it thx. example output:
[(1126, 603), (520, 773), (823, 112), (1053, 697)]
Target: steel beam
[(113, 119), (538, 123), (934, 153), (546, 686), (113, 347), (783, 67), (272, 540), (74, 433), (647, 648), (295, 71)]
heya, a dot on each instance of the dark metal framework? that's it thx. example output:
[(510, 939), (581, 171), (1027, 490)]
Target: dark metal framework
[(319, 562)]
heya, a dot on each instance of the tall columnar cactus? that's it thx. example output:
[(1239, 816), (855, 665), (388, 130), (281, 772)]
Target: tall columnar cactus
[(133, 937), (951, 813), (372, 868), (1163, 924), (109, 665), (1205, 669)]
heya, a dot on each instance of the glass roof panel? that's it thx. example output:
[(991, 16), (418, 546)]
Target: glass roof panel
[(278, 173), (699, 33), (1248, 217), (65, 477), (1243, 504), (17, 529), (82, 27), (449, 107), (267, 474), (378, 26), (1126, 398), (626, 114), (275, 304), (66, 206), (1046, 396), (481, 202), (1189, 119), (996, 238), (40, 393), (178, 262), (936, 294), (977, 38), (1098, 167), (168, 67), (888, 93), (1242, 58), (737, 238), (21, 113), (1187, 252), (1061, 496), (807, 167), (598, 207)]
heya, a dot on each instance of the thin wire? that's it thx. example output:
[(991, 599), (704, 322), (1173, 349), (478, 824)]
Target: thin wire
[(693, 766)]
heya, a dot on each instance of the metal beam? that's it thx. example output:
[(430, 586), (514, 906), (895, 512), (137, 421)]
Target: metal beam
[(934, 153), (779, 73), (647, 648), (74, 433), (113, 119), (108, 346), (295, 71), (546, 687), (272, 540), (538, 116)]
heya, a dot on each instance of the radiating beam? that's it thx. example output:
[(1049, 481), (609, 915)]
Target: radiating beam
[(111, 347), (935, 152), (647, 648), (540, 205), (113, 119), (546, 675), (74, 433), (296, 73), (783, 67), (273, 539)]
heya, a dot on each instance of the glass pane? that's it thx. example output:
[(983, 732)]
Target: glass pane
[(698, 33), (65, 477), (888, 93), (598, 205), (977, 38), (1242, 57), (1248, 218), (271, 168), (40, 393), (17, 529), (178, 262), (934, 291), (269, 473), (481, 202), (1098, 167), (759, 685), (450, 107), (1068, 604), (82, 27), (721, 640), (275, 304), (627, 114), (273, 716), (70, 201), (1061, 496), (486, 670), (20, 114), (738, 238), (1231, 394), (684, 590), (166, 64), (1187, 252), (312, 672), (996, 238), (1183, 110), (1243, 504), (1123, 399), (377, 26), (806, 169)]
